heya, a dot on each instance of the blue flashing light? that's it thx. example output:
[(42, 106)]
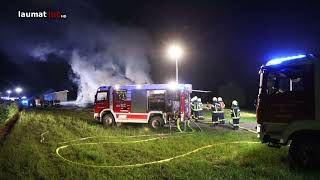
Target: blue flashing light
[(280, 60), (103, 88), (24, 102)]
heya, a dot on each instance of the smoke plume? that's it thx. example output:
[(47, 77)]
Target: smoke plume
[(98, 51), (120, 58), (101, 56)]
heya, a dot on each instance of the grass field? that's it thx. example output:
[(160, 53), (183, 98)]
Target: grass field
[(7, 111), (29, 152)]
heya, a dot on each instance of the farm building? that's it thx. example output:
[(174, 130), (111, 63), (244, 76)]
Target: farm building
[(52, 95)]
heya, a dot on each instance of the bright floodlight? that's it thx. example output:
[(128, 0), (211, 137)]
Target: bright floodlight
[(175, 52), (139, 86), (117, 87), (9, 91), (173, 85), (18, 90)]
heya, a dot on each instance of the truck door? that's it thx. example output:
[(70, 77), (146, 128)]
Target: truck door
[(289, 95), (156, 100), (122, 101), (101, 101)]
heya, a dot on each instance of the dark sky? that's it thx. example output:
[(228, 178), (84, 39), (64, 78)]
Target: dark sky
[(225, 42)]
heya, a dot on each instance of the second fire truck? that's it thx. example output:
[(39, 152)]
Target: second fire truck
[(155, 104), (288, 109)]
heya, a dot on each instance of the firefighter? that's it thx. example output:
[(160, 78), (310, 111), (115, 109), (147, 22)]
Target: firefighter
[(235, 114), (200, 109), (192, 102), (220, 108), (214, 110), (196, 109)]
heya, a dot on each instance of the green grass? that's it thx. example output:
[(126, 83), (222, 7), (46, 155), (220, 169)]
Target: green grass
[(245, 115), (7, 111), (22, 156)]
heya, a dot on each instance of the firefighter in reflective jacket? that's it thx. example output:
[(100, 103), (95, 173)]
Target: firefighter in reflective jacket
[(192, 101), (200, 108), (214, 109), (235, 114), (220, 108), (196, 109)]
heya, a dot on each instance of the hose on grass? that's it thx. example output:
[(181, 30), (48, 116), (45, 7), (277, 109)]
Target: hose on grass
[(42, 136), (67, 144), (140, 164), (249, 130), (188, 124), (178, 125)]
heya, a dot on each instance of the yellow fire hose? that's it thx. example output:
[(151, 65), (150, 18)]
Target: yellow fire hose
[(158, 137), (139, 164), (188, 124)]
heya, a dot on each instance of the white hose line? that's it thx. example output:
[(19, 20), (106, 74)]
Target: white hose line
[(42, 136), (248, 129)]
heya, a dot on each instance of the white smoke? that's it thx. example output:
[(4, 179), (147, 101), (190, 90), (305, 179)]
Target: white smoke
[(42, 51), (97, 70), (119, 58), (102, 57)]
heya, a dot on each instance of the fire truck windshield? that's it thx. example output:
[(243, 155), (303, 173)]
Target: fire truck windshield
[(102, 96), (285, 80)]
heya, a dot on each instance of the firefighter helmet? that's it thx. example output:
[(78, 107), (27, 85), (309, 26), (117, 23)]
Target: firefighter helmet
[(194, 98), (214, 99), (235, 103), (219, 99)]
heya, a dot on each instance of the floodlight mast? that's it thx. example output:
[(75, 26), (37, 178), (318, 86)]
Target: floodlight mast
[(9, 92), (175, 52), (177, 72)]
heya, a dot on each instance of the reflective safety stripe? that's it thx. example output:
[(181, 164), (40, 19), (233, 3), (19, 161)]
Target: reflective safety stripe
[(130, 116)]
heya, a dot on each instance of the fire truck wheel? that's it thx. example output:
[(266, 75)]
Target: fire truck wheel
[(107, 120), (302, 152), (156, 122)]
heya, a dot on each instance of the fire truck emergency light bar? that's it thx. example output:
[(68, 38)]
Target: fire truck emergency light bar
[(283, 59)]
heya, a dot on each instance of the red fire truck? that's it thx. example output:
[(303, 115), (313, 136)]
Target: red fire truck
[(155, 104), (288, 107)]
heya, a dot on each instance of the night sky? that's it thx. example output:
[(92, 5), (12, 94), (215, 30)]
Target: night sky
[(225, 42)]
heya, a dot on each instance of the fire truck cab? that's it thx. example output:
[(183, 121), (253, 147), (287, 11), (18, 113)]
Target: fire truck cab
[(155, 104), (288, 107)]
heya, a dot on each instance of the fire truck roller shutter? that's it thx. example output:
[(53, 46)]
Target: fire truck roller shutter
[(139, 101), (156, 100)]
